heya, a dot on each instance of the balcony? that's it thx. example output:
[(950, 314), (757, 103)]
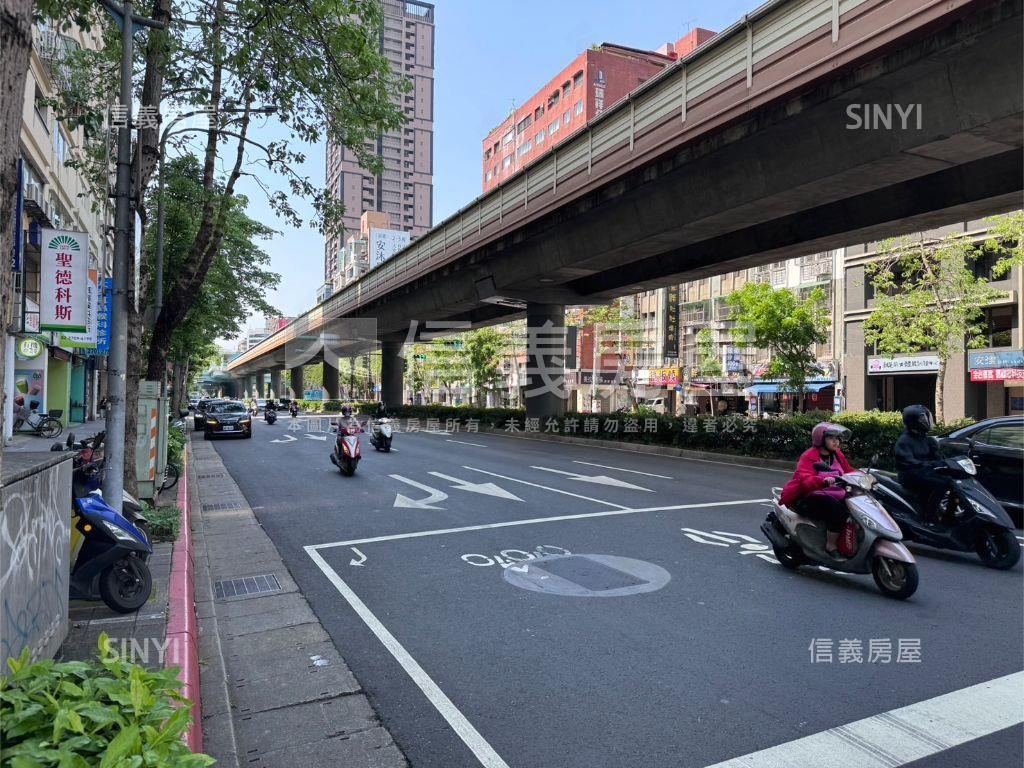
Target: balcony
[(55, 49)]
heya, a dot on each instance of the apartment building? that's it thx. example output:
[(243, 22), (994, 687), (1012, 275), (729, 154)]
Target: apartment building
[(404, 190), (52, 372)]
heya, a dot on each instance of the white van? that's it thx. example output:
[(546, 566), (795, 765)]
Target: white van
[(657, 404)]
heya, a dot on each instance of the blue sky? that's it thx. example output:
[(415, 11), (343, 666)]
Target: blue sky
[(487, 55)]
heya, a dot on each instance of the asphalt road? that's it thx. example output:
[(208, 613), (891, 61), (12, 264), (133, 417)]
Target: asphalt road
[(511, 602)]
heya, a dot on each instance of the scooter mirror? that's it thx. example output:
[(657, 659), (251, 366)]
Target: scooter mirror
[(874, 459)]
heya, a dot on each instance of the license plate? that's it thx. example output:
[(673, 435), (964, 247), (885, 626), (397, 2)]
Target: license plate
[(227, 429)]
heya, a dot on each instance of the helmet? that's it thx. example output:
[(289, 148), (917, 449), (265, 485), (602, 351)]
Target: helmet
[(918, 419), (346, 410), (825, 429)]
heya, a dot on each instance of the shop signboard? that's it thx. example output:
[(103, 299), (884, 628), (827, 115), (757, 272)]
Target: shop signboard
[(896, 365), (1007, 359), (88, 339), (64, 281), (997, 374)]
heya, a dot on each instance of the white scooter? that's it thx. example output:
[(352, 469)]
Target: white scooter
[(876, 546), (380, 434)]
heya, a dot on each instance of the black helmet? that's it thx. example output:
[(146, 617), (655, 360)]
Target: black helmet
[(346, 410), (918, 419)]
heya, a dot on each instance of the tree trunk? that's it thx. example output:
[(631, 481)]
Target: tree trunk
[(16, 44), (940, 388)]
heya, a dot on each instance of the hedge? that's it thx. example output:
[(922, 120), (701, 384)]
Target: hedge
[(873, 432)]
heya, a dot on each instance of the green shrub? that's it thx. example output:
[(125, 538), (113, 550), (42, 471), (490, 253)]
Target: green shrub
[(108, 712), (873, 432), (175, 447), (164, 523)]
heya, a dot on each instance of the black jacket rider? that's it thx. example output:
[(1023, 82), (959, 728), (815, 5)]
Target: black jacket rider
[(917, 458)]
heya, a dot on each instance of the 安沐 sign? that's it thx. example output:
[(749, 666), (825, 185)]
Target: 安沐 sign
[(63, 281)]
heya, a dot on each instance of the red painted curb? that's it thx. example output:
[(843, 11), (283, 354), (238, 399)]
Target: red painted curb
[(182, 628)]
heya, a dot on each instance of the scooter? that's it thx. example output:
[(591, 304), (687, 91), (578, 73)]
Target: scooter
[(871, 543), (380, 435), (107, 557), (87, 479), (347, 451), (293, 409), (270, 415), (980, 523)]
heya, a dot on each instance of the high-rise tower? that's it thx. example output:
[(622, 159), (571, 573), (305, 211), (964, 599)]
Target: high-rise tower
[(405, 190)]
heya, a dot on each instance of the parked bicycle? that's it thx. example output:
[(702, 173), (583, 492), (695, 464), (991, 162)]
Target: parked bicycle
[(38, 424), (170, 479)]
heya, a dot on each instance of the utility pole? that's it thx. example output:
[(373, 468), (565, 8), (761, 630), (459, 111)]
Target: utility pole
[(117, 362)]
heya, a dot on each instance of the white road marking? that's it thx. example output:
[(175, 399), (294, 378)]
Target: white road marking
[(477, 744), (902, 735), (434, 497), (463, 442), (316, 437), (532, 521), (287, 439), (596, 479), (361, 555), (544, 487), (488, 489), (620, 469)]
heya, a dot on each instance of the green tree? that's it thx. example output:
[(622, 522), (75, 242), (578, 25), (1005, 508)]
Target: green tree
[(786, 326), (1006, 238), (927, 298), (484, 348), (617, 329), (708, 364)]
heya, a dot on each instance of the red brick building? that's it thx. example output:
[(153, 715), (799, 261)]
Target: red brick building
[(595, 80)]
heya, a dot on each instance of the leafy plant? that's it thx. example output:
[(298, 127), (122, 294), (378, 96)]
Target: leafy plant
[(164, 523), (111, 713)]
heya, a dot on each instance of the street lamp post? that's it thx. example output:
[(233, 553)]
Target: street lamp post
[(117, 362), (158, 302)]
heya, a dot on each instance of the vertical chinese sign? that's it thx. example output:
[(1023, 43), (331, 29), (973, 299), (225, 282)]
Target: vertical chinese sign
[(671, 340), (88, 339), (64, 282)]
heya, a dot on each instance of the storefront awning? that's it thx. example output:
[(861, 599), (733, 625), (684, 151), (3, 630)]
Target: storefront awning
[(776, 387)]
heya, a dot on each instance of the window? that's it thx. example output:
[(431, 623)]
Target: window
[(487, 154), (539, 138), (507, 138), (578, 109), (490, 175), (507, 161), (566, 118), (538, 112), (524, 124), (999, 326), (553, 99), (41, 109), (1005, 436), (577, 79), (60, 143), (553, 128)]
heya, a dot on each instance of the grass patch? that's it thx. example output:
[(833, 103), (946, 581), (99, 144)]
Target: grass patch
[(164, 523)]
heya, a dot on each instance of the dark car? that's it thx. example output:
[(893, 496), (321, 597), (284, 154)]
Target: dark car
[(203, 403), (997, 448), (226, 418)]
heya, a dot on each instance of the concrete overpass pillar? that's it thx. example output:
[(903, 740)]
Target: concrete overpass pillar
[(545, 360), (392, 370), (275, 383), (298, 386), (330, 381)]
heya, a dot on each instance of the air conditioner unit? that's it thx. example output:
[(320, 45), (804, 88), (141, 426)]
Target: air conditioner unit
[(33, 192)]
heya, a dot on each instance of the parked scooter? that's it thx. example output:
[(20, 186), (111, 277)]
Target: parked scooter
[(380, 434), (87, 478), (108, 557), (871, 543), (347, 451), (980, 524)]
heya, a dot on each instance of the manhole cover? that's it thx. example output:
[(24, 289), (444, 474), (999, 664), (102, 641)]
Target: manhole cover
[(587, 576), (247, 586)]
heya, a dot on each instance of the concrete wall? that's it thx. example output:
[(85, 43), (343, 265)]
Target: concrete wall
[(35, 543)]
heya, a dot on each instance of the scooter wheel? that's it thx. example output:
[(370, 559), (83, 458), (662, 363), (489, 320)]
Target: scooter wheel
[(998, 548), (788, 558), (894, 578), (126, 585)]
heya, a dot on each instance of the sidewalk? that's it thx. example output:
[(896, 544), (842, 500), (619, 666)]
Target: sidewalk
[(275, 691), (25, 441)]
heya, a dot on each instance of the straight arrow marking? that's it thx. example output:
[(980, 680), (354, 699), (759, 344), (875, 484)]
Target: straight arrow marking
[(489, 489), (597, 479)]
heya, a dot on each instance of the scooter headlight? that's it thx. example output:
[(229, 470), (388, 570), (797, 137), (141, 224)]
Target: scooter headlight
[(120, 533), (967, 465)]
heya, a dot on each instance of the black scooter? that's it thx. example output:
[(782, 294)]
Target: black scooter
[(981, 525), (270, 415)]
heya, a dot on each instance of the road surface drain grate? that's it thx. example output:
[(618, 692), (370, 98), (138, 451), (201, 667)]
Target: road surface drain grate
[(220, 505), (248, 586), (208, 476)]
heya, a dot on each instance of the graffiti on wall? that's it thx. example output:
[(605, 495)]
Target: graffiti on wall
[(35, 529)]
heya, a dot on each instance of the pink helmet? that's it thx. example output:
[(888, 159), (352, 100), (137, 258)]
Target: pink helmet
[(825, 429)]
